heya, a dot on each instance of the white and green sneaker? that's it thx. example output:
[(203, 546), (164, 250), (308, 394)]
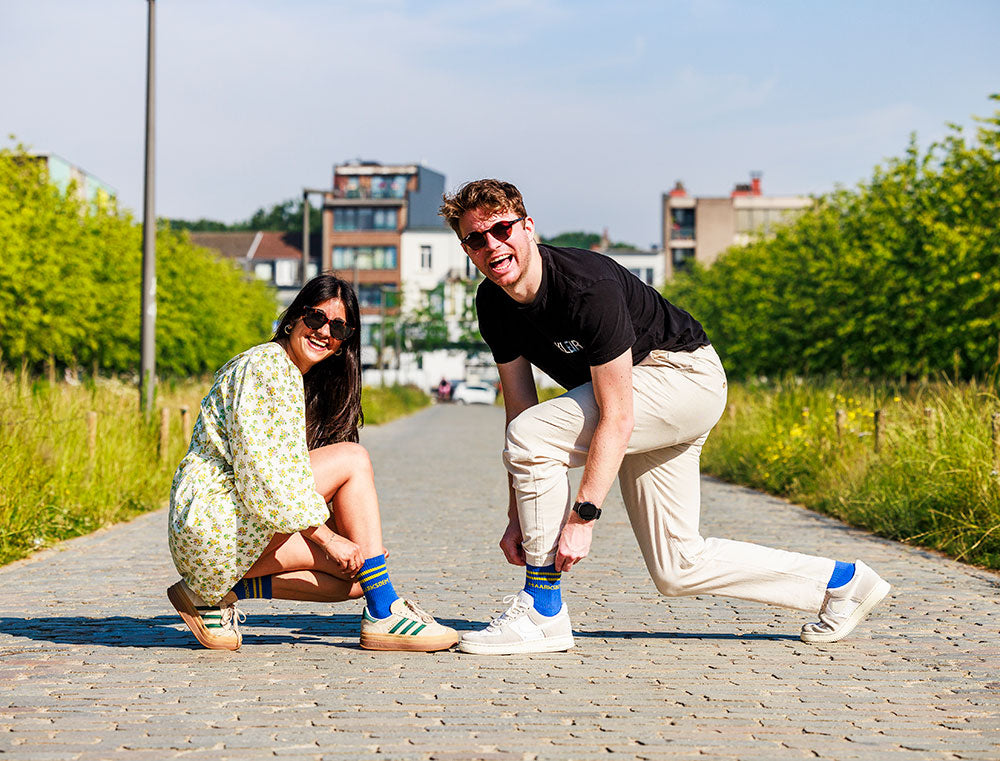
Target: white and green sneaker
[(217, 627), (407, 627)]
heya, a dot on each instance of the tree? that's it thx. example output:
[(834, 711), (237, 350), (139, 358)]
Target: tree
[(900, 276), (285, 216), (584, 240), (70, 284)]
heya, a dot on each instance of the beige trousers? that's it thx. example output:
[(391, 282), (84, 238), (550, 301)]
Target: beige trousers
[(678, 397)]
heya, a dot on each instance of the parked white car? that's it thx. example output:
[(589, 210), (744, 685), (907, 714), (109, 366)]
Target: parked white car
[(474, 393)]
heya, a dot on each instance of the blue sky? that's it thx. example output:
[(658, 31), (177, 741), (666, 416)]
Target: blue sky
[(593, 109)]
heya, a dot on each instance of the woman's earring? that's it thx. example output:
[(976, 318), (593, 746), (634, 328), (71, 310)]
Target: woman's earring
[(339, 352), (288, 329)]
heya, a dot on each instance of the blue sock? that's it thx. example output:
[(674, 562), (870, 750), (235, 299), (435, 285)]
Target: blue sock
[(542, 583), (842, 573), (258, 587), (379, 594)]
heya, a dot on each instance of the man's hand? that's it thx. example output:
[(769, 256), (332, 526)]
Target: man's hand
[(574, 542), (512, 544), (344, 553)]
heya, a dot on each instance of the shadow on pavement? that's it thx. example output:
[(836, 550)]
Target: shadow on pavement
[(338, 630), (605, 634), (170, 631)]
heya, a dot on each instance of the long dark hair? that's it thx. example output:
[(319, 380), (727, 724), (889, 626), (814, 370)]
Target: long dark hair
[(333, 386)]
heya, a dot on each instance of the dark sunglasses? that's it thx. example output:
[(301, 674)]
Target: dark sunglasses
[(314, 319), (500, 231)]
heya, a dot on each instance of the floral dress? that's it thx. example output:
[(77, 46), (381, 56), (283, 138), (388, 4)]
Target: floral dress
[(246, 475)]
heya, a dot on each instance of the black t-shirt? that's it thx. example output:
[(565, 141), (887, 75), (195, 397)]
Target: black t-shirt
[(588, 310)]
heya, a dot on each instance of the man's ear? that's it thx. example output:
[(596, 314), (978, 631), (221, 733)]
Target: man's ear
[(529, 226)]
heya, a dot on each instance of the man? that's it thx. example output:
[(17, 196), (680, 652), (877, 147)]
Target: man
[(645, 388)]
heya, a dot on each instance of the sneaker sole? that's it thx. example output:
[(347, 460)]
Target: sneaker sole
[(864, 608), (416, 644), (547, 645), (190, 615)]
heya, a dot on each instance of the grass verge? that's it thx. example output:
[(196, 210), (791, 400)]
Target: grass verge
[(932, 481), (62, 476)]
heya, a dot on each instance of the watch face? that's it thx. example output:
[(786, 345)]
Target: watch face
[(586, 510)]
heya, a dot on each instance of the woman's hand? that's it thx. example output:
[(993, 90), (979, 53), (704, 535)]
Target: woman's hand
[(512, 543), (345, 553)]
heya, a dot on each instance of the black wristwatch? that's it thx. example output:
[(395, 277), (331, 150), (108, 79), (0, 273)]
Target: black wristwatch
[(588, 511)]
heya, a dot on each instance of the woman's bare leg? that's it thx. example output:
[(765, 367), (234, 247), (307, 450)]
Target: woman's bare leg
[(344, 477), (313, 586)]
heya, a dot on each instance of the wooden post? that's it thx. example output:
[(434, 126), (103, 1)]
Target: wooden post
[(841, 419), (732, 412), (929, 419), (186, 424), (164, 433), (52, 370), (92, 434), (879, 428), (956, 362), (996, 442)]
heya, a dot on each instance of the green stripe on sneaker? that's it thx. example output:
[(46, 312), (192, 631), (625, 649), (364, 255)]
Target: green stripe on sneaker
[(417, 630), (409, 625), (398, 624)]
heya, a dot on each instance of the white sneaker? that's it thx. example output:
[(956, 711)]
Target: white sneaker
[(521, 629), (844, 607)]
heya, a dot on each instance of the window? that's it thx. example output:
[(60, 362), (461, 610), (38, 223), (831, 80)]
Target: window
[(389, 186), (681, 224), (286, 272), (645, 274), (425, 257), (682, 258), (263, 270), (365, 218), (366, 257), (371, 295)]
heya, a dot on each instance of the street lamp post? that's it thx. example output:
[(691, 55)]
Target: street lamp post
[(147, 360), (304, 265)]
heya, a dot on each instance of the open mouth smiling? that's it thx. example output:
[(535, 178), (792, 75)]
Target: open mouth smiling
[(501, 263), (317, 344)]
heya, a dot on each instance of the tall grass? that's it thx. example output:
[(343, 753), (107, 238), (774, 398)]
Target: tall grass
[(932, 481), (52, 487)]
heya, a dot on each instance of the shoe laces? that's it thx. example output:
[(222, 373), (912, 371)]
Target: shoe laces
[(518, 608), (427, 618), (232, 617)]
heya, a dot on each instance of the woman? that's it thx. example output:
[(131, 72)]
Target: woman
[(275, 497)]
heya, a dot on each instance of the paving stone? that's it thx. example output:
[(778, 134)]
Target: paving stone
[(122, 678)]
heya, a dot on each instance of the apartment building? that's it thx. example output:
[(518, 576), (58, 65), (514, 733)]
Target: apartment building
[(88, 188), (382, 232), (698, 229)]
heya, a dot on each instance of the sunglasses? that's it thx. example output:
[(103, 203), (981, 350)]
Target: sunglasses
[(500, 231), (314, 319)]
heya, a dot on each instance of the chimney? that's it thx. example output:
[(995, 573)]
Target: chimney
[(755, 183), (679, 190)]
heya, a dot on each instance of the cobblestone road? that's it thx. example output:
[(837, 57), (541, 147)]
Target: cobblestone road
[(95, 664)]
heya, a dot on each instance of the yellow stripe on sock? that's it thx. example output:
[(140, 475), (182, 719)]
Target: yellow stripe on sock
[(371, 572)]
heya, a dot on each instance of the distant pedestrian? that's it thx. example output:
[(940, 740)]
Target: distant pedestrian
[(444, 390), (275, 497), (645, 388)]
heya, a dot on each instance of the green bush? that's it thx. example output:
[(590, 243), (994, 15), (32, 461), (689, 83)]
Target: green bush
[(899, 277), (384, 403), (70, 285), (52, 487), (932, 481)]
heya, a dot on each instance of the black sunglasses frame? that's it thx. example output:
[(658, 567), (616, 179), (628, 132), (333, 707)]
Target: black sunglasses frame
[(500, 231), (338, 328)]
